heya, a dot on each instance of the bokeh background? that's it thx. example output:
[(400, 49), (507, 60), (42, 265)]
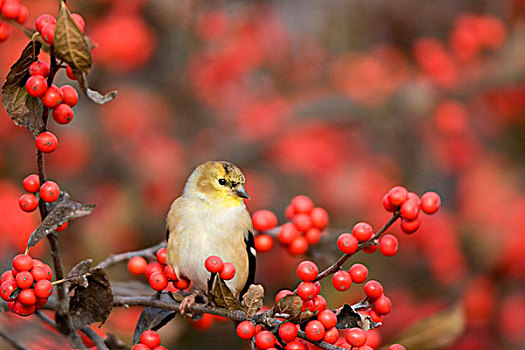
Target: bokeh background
[(338, 100)]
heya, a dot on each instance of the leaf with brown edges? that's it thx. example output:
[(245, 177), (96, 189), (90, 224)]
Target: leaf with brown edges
[(252, 301), (290, 305), (223, 296), (69, 43), (23, 109)]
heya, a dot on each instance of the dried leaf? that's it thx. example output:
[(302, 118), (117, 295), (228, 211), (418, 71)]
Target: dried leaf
[(347, 317), (114, 343), (290, 305), (435, 332), (92, 303), (93, 95), (69, 42), (77, 275), (223, 296), (65, 210), (153, 318), (23, 109), (302, 317), (252, 301)]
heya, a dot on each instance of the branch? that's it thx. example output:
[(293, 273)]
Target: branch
[(14, 343), (116, 258)]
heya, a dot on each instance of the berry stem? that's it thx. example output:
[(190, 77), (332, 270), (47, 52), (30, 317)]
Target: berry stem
[(117, 258)]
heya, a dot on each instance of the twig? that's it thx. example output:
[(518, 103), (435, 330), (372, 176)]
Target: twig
[(116, 258), (14, 343)]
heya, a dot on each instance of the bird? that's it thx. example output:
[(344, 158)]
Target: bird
[(210, 218)]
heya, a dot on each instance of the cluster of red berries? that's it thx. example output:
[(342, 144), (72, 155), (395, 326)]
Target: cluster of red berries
[(149, 340), (214, 264), (160, 276), (305, 227), (48, 192), (46, 25), (27, 286), (14, 11)]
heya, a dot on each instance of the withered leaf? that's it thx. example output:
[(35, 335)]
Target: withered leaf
[(347, 317), (223, 296), (69, 43), (77, 275), (65, 210), (93, 95), (252, 301), (290, 305), (92, 303), (23, 109), (302, 316), (114, 343), (153, 318)]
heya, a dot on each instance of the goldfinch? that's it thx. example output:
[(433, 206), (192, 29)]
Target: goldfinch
[(210, 218)]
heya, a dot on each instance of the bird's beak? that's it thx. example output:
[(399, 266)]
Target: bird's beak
[(240, 191)]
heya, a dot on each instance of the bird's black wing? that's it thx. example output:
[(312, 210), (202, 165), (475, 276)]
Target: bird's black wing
[(249, 240)]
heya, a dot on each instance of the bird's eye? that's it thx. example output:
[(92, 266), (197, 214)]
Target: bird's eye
[(222, 182)]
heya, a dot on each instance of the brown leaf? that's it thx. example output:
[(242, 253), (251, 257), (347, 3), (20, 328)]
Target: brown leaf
[(64, 210), (77, 275), (290, 305), (153, 318), (92, 303), (252, 301), (69, 42), (23, 109), (347, 317), (435, 332), (114, 343), (93, 95), (302, 317), (223, 296)]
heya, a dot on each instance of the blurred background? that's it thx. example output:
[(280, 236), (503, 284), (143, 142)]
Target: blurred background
[(335, 99)]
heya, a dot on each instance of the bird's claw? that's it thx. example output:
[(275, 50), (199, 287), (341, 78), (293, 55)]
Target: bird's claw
[(186, 304)]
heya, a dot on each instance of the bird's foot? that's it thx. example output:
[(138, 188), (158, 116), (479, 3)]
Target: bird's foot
[(186, 304)]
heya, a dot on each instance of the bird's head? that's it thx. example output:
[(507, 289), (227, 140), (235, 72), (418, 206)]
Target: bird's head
[(217, 181)]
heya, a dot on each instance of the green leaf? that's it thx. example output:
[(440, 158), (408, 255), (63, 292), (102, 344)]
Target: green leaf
[(23, 109)]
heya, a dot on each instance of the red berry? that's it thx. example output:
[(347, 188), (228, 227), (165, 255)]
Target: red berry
[(264, 339), (161, 256), (169, 271), (308, 305), (296, 345), (388, 205), (373, 289), (40, 302), (228, 271), (331, 335), (314, 330), (39, 273), (14, 272), (328, 318), (397, 195), (375, 317), (150, 338), (313, 235), (43, 289), (44, 19), (245, 330), (49, 192), (152, 268), (69, 95), (319, 218), (307, 271), (282, 293), (137, 265), (36, 86), (288, 332), (31, 183), (289, 212), (287, 233), (302, 221), (341, 280), (62, 226), (6, 289), (263, 243), (69, 73), (383, 305), (140, 346), (23, 262), (213, 264), (302, 204), (388, 245), (410, 209), (49, 272), (264, 220), (182, 283), (371, 248), (39, 68), (63, 114), (317, 285), (347, 243), (358, 272), (362, 231), (396, 347), (23, 310), (5, 31), (7, 276), (11, 9), (319, 303), (430, 202), (409, 226), (299, 245), (46, 142), (79, 21), (356, 336), (28, 202), (27, 297), (307, 290), (53, 97), (24, 279), (22, 14), (48, 33), (160, 347)]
